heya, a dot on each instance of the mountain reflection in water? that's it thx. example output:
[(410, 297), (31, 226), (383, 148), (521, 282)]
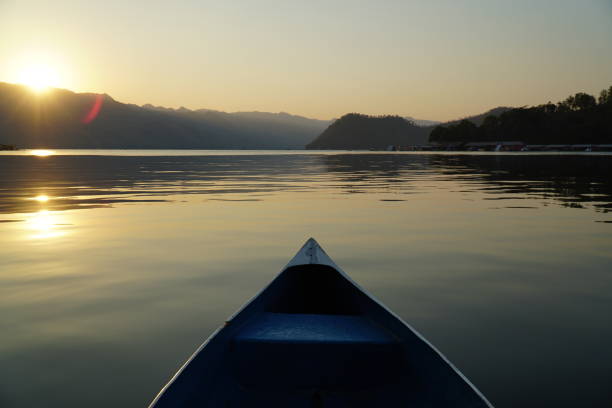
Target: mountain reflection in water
[(73, 182)]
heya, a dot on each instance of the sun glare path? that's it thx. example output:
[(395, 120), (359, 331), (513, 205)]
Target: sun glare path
[(42, 152), (42, 198), (44, 225)]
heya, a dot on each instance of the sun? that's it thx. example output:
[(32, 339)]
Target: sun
[(39, 77), (38, 69)]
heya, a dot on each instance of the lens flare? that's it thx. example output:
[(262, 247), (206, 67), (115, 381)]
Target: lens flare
[(95, 110)]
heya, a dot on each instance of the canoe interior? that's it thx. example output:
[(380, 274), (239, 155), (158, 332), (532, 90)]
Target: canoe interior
[(314, 289), (312, 338)]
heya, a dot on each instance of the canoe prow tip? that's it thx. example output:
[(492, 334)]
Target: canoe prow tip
[(311, 253)]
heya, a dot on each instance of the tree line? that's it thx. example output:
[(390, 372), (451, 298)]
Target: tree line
[(579, 119)]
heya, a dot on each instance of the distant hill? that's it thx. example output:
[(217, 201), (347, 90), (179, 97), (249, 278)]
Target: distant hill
[(63, 119), (357, 131), (423, 122)]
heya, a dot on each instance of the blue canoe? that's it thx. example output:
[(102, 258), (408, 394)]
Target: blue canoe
[(313, 338)]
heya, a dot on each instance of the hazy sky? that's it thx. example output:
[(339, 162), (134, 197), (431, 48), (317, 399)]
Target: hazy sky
[(436, 59)]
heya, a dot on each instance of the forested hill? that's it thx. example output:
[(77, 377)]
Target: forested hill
[(60, 118), (357, 131), (476, 119), (579, 119)]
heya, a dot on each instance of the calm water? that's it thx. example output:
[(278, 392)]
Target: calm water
[(114, 268)]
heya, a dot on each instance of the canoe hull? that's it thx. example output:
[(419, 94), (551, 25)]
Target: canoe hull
[(314, 338)]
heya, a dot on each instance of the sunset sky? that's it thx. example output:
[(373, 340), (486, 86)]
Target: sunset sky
[(436, 60)]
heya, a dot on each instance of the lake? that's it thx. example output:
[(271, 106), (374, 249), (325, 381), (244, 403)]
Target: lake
[(116, 265)]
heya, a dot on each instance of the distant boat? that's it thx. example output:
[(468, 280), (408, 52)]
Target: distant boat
[(314, 338)]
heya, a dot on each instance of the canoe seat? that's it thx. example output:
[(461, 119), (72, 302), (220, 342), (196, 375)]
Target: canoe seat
[(314, 350)]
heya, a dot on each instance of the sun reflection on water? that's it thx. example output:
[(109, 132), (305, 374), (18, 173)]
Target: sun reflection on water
[(44, 224), (41, 198), (42, 152)]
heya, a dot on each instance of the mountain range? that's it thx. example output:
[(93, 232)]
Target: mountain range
[(61, 118)]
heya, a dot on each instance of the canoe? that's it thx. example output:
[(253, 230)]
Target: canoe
[(313, 338)]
